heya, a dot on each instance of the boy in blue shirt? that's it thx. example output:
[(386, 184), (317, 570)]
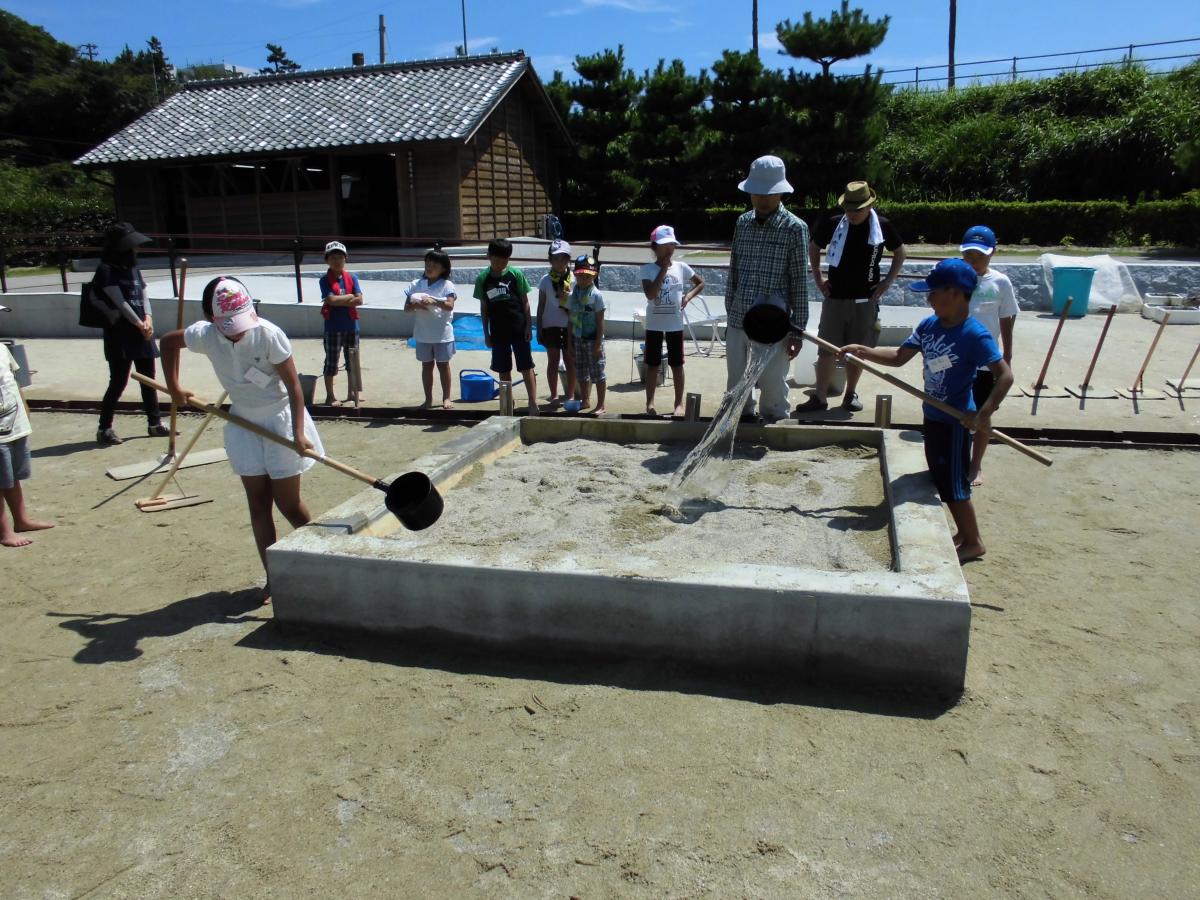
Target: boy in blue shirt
[(341, 296), (953, 345)]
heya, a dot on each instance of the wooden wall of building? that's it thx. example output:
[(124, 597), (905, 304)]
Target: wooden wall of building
[(508, 170), (137, 198)]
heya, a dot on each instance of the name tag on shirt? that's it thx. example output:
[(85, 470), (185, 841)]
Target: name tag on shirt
[(257, 376), (939, 363)]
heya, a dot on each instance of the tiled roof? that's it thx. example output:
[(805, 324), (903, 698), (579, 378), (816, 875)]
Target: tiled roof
[(430, 100)]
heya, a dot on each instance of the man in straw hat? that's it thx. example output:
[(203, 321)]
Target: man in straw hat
[(766, 265), (854, 241)]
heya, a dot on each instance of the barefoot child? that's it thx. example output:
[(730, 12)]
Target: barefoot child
[(14, 457), (431, 299), (503, 294), (586, 307), (665, 284), (252, 359), (994, 303), (954, 345), (341, 296), (553, 323)]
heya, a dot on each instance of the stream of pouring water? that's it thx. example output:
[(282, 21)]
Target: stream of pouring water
[(702, 474)]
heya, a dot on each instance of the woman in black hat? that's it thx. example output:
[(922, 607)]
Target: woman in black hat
[(129, 336)]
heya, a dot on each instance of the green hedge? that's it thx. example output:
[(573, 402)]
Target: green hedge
[(1093, 223)]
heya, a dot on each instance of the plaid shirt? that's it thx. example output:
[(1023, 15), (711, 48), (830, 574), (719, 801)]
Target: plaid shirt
[(768, 259)]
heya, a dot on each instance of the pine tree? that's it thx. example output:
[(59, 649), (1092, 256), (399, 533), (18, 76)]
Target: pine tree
[(605, 96), (742, 120), (831, 123), (668, 136), (844, 35), (277, 61)]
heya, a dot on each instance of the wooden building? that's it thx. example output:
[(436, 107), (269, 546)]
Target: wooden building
[(443, 149)]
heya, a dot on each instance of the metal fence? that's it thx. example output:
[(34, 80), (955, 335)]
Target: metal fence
[(935, 77)]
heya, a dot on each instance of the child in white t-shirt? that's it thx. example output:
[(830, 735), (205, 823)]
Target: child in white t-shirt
[(553, 321), (431, 298), (252, 359), (14, 457), (994, 303), (665, 284)]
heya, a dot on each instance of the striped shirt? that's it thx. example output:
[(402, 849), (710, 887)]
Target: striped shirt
[(769, 259)]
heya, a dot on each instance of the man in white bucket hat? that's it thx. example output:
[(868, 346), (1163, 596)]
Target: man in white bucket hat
[(768, 264)]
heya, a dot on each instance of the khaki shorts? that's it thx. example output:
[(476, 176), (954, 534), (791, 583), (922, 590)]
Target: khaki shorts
[(849, 322)]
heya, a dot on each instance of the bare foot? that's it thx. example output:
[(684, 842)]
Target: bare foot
[(968, 552), (976, 479), (13, 540), (599, 410), (446, 404), (678, 412), (30, 525), (331, 401)]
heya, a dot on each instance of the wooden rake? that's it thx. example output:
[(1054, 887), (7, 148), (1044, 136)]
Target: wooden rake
[(160, 501)]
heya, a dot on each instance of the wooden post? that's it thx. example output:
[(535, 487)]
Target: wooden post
[(178, 327), (1087, 379), (1137, 382), (62, 266), (3, 277), (297, 257), (883, 411), (171, 261), (1041, 379)]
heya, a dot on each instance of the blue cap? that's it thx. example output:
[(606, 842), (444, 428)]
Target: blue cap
[(949, 273), (981, 238)]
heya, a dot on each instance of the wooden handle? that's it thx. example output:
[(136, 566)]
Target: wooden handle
[(263, 433), (949, 410), (178, 326), (177, 461)]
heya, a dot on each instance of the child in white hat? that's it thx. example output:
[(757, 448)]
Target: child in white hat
[(252, 359), (669, 287)]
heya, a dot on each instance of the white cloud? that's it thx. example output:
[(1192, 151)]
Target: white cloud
[(768, 41), (675, 23), (545, 65), (633, 6)]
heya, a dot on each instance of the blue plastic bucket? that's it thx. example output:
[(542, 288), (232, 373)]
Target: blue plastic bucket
[(1073, 284), (476, 385)]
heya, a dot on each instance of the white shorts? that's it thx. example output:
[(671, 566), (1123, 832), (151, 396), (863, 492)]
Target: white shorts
[(250, 454)]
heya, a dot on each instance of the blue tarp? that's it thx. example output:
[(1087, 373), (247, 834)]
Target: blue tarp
[(468, 334)]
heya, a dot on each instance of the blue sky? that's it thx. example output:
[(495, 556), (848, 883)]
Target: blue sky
[(322, 33)]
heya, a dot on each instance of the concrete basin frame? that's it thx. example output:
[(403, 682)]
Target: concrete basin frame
[(908, 626)]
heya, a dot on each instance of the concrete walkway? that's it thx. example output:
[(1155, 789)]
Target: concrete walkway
[(74, 370)]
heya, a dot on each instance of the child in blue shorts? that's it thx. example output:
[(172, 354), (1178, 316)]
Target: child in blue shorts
[(503, 294), (954, 346)]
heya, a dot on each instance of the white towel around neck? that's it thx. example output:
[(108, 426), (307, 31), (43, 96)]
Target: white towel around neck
[(838, 242)]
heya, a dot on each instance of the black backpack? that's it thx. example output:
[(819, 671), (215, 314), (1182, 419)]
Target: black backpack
[(95, 310)]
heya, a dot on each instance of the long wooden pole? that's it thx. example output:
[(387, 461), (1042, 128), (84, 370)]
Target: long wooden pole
[(1041, 380), (1137, 382), (932, 401), (266, 434), (1188, 370), (178, 326), (1087, 379)]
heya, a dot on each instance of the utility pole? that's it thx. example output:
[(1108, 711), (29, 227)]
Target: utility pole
[(89, 50), (466, 50), (953, 29), (382, 40), (754, 24)]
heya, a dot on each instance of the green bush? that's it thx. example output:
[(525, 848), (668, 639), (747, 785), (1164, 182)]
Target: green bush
[(50, 199), (1094, 223)]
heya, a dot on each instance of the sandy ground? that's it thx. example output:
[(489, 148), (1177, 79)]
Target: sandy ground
[(601, 507), (162, 738)]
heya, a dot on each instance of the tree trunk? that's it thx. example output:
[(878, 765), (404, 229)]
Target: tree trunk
[(953, 29)]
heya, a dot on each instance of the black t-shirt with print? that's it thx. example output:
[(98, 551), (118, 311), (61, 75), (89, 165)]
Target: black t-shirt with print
[(505, 297), (858, 272)]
